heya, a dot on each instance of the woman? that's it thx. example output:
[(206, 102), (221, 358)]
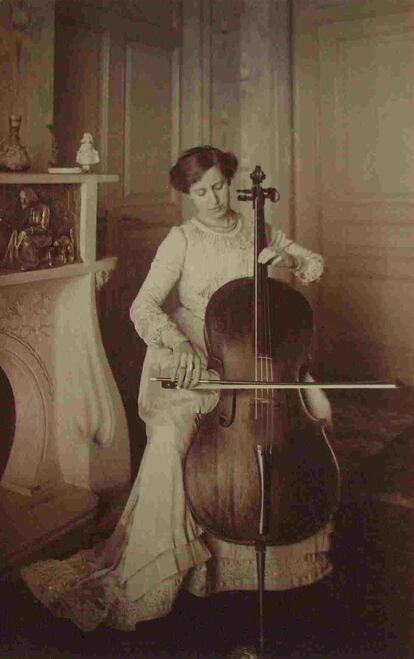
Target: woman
[(157, 547)]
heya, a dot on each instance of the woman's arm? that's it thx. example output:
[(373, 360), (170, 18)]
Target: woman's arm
[(307, 266), (153, 325)]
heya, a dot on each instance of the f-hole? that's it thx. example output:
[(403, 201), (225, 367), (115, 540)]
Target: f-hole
[(7, 420)]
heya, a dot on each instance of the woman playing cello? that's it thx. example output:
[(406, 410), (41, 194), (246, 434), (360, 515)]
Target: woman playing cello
[(157, 548)]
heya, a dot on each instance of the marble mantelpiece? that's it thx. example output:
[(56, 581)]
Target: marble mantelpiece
[(71, 430)]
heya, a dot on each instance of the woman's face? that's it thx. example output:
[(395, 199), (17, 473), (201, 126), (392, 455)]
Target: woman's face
[(211, 196)]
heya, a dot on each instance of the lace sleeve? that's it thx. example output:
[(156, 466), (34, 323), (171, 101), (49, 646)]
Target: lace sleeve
[(310, 266), (153, 325)]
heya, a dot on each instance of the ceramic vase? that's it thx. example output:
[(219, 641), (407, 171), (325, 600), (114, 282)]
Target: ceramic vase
[(13, 155)]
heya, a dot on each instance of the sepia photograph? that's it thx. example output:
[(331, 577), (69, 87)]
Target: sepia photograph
[(206, 329)]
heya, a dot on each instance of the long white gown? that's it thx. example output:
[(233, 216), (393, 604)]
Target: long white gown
[(157, 548)]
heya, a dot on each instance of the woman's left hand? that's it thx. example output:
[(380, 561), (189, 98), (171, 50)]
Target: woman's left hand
[(269, 256)]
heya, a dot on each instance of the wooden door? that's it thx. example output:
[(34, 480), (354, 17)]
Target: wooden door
[(117, 77), (354, 178)]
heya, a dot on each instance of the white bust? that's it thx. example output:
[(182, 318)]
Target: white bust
[(87, 155)]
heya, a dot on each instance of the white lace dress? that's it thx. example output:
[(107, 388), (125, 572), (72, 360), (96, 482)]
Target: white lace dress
[(157, 547)]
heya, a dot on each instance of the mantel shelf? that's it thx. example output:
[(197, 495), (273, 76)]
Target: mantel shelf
[(22, 178), (59, 272)]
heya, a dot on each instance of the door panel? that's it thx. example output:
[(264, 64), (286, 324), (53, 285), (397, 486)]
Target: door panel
[(355, 93)]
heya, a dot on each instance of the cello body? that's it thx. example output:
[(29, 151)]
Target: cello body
[(227, 490)]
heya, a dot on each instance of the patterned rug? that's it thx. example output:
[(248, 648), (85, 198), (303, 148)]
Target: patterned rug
[(374, 444), (366, 423)]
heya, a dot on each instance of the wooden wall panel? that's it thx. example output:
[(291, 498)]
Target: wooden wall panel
[(147, 125), (77, 89), (353, 64), (225, 75), (226, 83), (366, 84), (221, 77), (256, 93), (192, 74), (237, 54), (117, 84), (111, 196), (195, 82), (157, 12)]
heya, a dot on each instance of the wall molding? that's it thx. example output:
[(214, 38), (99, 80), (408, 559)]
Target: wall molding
[(105, 52), (129, 29), (206, 92)]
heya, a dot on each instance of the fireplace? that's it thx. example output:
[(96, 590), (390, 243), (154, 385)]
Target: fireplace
[(7, 419), (64, 430)]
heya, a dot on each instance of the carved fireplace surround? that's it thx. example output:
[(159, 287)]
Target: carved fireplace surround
[(70, 438)]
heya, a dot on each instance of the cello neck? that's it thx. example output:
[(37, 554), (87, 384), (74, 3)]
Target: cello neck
[(261, 303), (260, 241), (262, 321)]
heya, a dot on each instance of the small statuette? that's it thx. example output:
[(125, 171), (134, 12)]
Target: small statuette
[(35, 241), (63, 249), (87, 155), (30, 242)]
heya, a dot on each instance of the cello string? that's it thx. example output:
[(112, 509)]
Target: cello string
[(261, 413), (256, 315), (255, 275), (272, 394), (267, 395), (262, 336), (263, 343), (269, 354)]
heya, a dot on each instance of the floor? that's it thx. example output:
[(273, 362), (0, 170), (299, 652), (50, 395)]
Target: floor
[(345, 616), (363, 610)]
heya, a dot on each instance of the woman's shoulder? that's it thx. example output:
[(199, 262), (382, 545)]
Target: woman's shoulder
[(176, 232), (173, 244), (192, 231)]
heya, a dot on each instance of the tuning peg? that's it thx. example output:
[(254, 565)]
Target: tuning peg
[(272, 194), (245, 195)]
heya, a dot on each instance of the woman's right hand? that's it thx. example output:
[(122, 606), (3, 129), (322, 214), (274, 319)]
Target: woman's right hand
[(186, 367)]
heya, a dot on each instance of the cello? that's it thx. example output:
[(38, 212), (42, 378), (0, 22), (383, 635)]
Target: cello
[(260, 469)]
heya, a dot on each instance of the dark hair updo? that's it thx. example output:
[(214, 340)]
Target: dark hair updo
[(193, 163)]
